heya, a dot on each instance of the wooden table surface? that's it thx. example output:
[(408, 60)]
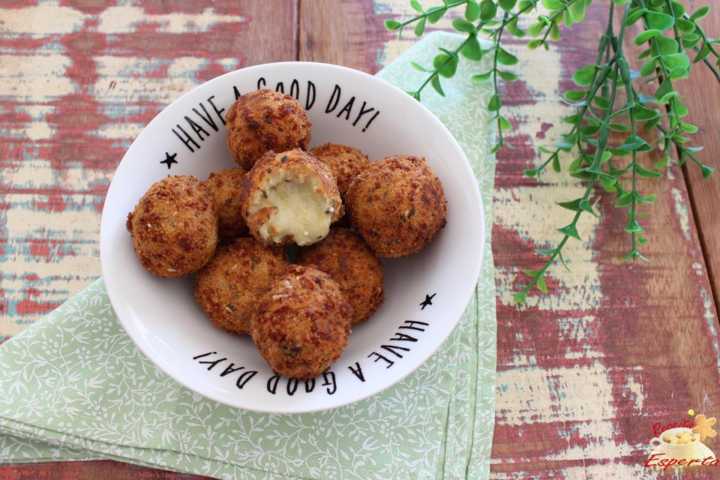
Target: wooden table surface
[(583, 373)]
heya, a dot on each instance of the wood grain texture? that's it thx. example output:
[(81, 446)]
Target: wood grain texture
[(584, 373), (700, 93), (78, 81)]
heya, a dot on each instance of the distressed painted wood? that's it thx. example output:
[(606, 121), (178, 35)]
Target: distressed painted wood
[(584, 373), (701, 93), (78, 81)]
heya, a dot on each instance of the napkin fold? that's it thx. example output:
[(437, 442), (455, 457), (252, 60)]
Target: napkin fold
[(74, 386)]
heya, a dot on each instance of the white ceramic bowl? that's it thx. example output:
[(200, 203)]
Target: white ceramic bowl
[(346, 106)]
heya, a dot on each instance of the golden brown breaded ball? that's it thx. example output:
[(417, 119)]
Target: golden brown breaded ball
[(265, 120), (230, 286), (225, 187), (174, 227), (397, 205), (290, 197), (349, 261), (302, 324), (345, 162)]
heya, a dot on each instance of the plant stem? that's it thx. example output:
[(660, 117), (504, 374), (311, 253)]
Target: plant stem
[(594, 167), (554, 17), (429, 12), (498, 41)]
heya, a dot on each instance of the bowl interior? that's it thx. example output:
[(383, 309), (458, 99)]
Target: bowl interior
[(347, 107)]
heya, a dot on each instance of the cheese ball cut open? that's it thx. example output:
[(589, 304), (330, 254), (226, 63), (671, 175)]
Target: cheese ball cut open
[(265, 120), (174, 227), (398, 205), (230, 286), (226, 187), (290, 197), (302, 324), (349, 261)]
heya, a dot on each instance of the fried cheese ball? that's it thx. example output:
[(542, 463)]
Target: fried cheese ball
[(225, 187), (302, 324), (397, 205), (230, 286), (345, 162), (290, 197), (174, 227), (349, 261), (265, 120)]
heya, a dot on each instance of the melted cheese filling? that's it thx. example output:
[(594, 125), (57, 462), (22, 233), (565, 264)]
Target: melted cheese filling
[(299, 211)]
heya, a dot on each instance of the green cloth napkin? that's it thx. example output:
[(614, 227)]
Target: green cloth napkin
[(75, 387)]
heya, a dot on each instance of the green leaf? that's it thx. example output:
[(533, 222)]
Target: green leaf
[(609, 184), (445, 64), (504, 123), (577, 11), (584, 76), (648, 68), (685, 26), (573, 205), (482, 77), (574, 95), (578, 205), (506, 58), (677, 61), (553, 4), (531, 172), (634, 227), (533, 44), (570, 230), (541, 284), (643, 114), (619, 127), (659, 21), (678, 9), (420, 28), (472, 49), (507, 5), (472, 11), (624, 200), (435, 14), (536, 29), (635, 15), (665, 45), (702, 53), (531, 273), (507, 76), (392, 25), (646, 173), (435, 82), (665, 92), (700, 13), (419, 67), (415, 4), (646, 35), (689, 128), (488, 9), (602, 102), (706, 170), (520, 297), (494, 104), (462, 25)]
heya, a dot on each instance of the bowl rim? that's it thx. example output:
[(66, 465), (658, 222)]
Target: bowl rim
[(118, 306)]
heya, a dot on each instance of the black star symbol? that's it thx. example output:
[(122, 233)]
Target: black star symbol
[(169, 159), (428, 301)]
